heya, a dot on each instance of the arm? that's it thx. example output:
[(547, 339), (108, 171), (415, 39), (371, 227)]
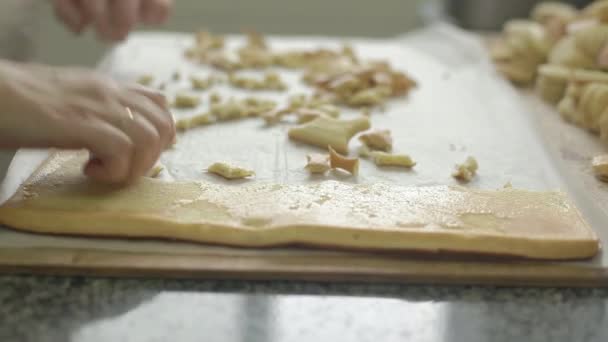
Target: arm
[(111, 19)]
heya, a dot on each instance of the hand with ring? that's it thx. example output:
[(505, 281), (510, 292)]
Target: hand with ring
[(124, 127)]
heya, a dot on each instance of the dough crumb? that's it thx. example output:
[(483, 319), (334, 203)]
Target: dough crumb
[(600, 167), (338, 161), (387, 159), (274, 116), (183, 100), (145, 80), (155, 171), (317, 163), (271, 81), (194, 121), (200, 83), (215, 98), (466, 171), (238, 109), (229, 171), (380, 140)]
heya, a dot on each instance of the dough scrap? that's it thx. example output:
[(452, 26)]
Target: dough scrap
[(380, 140), (145, 80), (585, 105), (184, 101), (155, 171), (440, 219), (600, 167), (237, 109), (363, 85), (467, 170), (552, 82), (326, 131), (271, 81), (317, 163), (194, 121), (388, 159), (308, 114), (229, 171), (554, 16), (203, 83), (338, 161), (523, 46)]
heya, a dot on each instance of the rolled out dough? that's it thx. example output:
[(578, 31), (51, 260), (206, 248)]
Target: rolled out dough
[(57, 199)]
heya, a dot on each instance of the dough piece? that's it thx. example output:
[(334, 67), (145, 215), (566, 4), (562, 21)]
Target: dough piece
[(194, 121), (466, 171), (600, 167), (582, 49), (274, 116), (522, 48), (552, 82), (368, 84), (271, 81), (155, 171), (229, 171), (554, 16), (305, 115), (585, 105), (338, 161), (199, 83), (221, 60), (183, 100), (387, 159), (380, 140), (238, 109), (317, 163), (389, 217), (215, 98), (326, 131), (597, 10), (145, 80), (256, 53), (205, 42)]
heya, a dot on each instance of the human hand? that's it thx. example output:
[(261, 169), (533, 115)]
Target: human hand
[(111, 19), (124, 128)]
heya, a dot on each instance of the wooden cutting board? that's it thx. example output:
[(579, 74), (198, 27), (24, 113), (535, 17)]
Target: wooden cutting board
[(551, 148)]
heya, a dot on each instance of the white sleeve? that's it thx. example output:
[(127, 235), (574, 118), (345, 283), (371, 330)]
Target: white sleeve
[(17, 26), (5, 160)]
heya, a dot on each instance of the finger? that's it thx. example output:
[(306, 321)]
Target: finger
[(160, 99), (97, 12), (124, 16), (158, 117), (154, 95), (147, 148), (146, 141), (68, 12), (110, 149), (85, 20), (155, 11)]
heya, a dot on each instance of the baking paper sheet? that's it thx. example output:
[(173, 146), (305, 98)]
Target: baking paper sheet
[(461, 108)]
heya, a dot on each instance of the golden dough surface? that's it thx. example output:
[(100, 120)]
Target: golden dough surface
[(58, 199)]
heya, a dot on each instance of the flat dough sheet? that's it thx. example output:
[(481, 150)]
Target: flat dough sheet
[(58, 199)]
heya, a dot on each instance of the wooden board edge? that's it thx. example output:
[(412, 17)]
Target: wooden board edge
[(364, 268)]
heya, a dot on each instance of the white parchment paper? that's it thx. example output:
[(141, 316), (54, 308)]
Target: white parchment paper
[(461, 107)]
